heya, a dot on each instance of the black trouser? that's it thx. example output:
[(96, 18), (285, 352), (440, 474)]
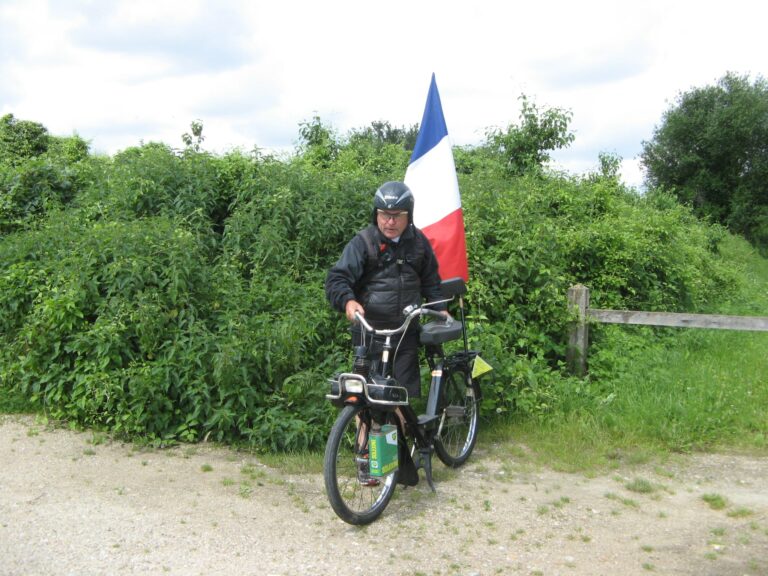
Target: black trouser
[(404, 358)]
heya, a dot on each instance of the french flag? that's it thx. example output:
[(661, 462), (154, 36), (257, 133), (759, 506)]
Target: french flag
[(431, 176)]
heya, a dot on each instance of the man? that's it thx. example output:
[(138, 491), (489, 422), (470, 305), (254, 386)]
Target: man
[(387, 266)]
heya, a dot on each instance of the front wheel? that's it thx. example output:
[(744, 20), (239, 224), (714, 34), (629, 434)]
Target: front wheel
[(459, 416), (355, 497)]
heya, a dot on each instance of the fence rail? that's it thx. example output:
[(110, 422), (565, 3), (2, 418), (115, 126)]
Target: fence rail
[(677, 320), (578, 341)]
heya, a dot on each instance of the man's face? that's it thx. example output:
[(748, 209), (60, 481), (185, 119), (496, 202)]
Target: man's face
[(392, 223)]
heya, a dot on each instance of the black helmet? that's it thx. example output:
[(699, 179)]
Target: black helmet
[(393, 196)]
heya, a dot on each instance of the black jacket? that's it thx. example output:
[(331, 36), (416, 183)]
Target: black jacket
[(402, 273)]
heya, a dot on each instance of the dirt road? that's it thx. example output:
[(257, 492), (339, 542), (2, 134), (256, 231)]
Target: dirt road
[(76, 503)]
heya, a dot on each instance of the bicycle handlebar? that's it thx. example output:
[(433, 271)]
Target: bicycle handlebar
[(410, 313)]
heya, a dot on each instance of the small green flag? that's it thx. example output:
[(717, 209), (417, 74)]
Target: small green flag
[(480, 367)]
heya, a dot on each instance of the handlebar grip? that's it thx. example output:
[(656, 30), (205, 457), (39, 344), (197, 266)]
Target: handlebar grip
[(361, 320)]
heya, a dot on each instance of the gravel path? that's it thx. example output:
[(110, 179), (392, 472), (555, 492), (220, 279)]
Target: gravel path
[(71, 503)]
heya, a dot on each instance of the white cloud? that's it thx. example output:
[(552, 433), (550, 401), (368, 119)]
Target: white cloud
[(120, 71)]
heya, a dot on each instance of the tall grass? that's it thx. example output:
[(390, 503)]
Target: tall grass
[(706, 389)]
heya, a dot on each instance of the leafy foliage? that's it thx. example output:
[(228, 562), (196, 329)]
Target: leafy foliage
[(38, 172), (525, 147), (21, 140), (382, 132), (710, 152), (531, 240), (32, 189), (177, 295)]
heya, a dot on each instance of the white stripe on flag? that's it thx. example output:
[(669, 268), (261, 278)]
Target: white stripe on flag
[(433, 179)]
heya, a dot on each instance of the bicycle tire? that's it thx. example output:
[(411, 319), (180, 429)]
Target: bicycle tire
[(459, 416), (352, 502)]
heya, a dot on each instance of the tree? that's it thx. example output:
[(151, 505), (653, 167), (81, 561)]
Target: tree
[(193, 140), (70, 149), (526, 147), (382, 132), (711, 152), (21, 139), (318, 143)]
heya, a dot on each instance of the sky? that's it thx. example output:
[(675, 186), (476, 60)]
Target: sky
[(122, 72)]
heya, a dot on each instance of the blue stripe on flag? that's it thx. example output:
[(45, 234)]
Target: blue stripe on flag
[(433, 128)]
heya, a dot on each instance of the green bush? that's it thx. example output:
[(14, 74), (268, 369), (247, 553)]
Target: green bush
[(531, 238), (32, 189), (177, 295)]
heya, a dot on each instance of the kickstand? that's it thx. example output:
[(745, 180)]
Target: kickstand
[(425, 461)]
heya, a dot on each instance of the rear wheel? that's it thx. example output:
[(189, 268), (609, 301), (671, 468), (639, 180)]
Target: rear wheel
[(459, 416), (352, 498)]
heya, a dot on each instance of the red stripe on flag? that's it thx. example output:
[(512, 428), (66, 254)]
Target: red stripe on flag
[(447, 239)]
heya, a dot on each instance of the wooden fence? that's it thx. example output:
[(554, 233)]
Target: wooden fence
[(578, 341)]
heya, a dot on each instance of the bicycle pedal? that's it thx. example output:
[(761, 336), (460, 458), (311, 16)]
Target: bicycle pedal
[(455, 411)]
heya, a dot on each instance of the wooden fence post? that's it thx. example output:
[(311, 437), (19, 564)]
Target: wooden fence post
[(578, 340)]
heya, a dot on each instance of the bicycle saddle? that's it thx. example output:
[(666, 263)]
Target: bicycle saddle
[(438, 332)]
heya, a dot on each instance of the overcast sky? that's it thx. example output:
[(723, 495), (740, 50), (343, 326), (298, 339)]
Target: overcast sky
[(119, 72)]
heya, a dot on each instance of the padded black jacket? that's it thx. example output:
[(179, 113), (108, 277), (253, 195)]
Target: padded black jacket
[(403, 273)]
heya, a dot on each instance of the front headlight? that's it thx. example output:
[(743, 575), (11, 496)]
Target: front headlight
[(353, 386)]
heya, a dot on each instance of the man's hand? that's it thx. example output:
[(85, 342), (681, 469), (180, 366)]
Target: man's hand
[(351, 307), (447, 318)]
